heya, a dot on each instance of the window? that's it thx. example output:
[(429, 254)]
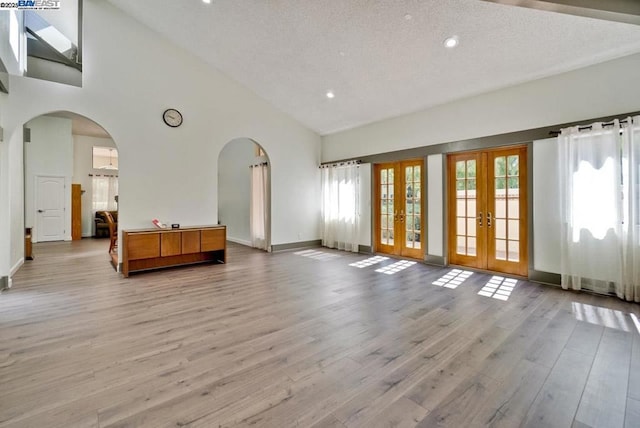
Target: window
[(105, 158), (105, 191)]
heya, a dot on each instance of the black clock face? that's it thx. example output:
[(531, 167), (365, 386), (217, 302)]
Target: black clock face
[(172, 117)]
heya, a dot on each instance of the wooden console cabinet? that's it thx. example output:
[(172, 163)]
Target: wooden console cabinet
[(155, 248)]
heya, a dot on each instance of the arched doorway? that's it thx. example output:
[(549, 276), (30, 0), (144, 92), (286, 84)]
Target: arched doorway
[(244, 193), (70, 172)]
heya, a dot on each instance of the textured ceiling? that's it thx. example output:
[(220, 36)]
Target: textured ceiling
[(382, 58)]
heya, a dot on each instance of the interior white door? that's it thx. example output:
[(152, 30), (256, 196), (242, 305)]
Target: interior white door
[(50, 208)]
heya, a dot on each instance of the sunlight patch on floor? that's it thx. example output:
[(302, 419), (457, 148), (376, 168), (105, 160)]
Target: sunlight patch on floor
[(453, 279), (369, 262), (395, 267), (605, 317), (498, 287), (636, 322), (318, 255)]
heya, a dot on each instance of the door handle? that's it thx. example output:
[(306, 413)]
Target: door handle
[(40, 211), (395, 215), (479, 219), (488, 219), (401, 215)]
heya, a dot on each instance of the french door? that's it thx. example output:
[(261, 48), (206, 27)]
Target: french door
[(487, 211), (399, 221)]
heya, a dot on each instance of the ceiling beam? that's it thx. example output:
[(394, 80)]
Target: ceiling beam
[(626, 11)]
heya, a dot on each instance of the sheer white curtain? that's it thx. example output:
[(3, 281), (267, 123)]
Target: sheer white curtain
[(105, 189), (599, 245), (630, 289), (340, 207), (258, 210)]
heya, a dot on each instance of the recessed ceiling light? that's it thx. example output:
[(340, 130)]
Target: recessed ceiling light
[(408, 17), (206, 1), (451, 42), (342, 53), (330, 94)]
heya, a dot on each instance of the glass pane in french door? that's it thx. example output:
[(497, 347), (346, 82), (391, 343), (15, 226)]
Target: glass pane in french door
[(506, 207), (387, 208), (466, 197), (412, 212)]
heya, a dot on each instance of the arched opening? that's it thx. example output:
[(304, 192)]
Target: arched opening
[(70, 175), (244, 193)]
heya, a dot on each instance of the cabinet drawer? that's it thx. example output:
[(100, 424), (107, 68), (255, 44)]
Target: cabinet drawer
[(212, 239), (191, 242), (170, 244), (143, 246)]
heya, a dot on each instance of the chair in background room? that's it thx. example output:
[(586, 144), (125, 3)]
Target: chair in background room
[(113, 232)]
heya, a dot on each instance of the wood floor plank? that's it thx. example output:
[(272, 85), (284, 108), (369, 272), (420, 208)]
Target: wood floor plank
[(546, 349), (508, 355), (279, 340), (558, 400), (634, 370), (402, 413), (585, 338), (459, 408), (433, 388), (632, 416), (507, 405), (329, 422), (604, 399)]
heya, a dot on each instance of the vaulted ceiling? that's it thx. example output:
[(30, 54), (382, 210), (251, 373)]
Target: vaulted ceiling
[(380, 58)]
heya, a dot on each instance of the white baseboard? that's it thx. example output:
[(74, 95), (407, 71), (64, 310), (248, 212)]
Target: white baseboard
[(15, 267), (239, 241)]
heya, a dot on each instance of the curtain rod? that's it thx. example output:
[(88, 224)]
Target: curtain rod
[(102, 175), (583, 128), (258, 164), (327, 165)]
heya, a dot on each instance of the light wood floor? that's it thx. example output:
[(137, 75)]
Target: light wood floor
[(285, 340)]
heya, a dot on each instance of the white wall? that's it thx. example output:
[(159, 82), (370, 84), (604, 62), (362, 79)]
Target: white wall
[(15, 183), (5, 237), (82, 167), (546, 206), (605, 89), (234, 188), (435, 206), (50, 153), (170, 173)]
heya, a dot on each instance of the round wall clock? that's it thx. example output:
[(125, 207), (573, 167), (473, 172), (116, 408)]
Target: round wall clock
[(172, 117)]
